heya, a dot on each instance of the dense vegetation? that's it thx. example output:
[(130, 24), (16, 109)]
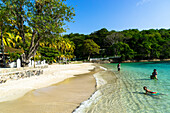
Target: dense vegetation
[(129, 44), (32, 24), (35, 27)]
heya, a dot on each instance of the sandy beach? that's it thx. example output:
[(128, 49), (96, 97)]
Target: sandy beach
[(53, 74), (62, 97)]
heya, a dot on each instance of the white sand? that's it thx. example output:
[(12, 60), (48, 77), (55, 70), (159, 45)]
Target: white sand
[(53, 74)]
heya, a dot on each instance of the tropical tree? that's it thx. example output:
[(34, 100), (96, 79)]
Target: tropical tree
[(123, 50), (90, 47), (12, 40), (99, 36), (44, 17), (57, 49), (3, 19), (165, 53), (113, 38), (78, 40), (130, 44)]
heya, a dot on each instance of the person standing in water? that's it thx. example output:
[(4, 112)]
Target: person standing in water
[(154, 74), (118, 67)]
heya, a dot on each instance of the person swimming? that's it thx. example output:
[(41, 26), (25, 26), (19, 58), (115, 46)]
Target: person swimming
[(147, 90)]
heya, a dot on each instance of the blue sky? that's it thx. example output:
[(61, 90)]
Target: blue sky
[(92, 15)]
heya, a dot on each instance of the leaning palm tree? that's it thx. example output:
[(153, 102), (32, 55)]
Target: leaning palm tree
[(12, 41)]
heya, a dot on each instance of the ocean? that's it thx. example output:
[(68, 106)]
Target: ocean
[(122, 92)]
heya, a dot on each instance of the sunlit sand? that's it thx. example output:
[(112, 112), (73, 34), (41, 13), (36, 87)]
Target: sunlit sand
[(53, 74)]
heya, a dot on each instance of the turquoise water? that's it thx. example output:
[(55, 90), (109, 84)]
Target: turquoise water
[(123, 91)]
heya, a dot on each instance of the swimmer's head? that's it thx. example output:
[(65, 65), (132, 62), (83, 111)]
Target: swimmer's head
[(144, 87), (154, 70)]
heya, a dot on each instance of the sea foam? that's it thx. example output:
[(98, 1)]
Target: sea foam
[(95, 97)]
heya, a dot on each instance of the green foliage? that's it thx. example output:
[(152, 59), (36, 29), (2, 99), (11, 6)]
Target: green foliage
[(60, 48), (48, 53), (14, 56), (99, 36), (90, 47), (45, 20), (123, 50), (78, 40), (129, 44)]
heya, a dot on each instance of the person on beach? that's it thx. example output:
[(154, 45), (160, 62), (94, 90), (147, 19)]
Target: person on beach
[(147, 90), (154, 74), (118, 67)]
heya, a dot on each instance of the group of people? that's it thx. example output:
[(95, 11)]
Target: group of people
[(153, 76)]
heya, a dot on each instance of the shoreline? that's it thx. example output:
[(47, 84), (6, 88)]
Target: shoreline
[(127, 61), (152, 60), (118, 92), (63, 97), (52, 75), (93, 97)]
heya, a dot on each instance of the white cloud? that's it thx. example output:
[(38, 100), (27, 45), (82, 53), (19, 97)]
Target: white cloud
[(141, 2)]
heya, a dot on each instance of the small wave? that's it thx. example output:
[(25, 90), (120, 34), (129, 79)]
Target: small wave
[(103, 68), (84, 106), (98, 76), (99, 80)]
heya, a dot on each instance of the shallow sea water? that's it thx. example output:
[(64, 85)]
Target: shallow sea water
[(122, 92)]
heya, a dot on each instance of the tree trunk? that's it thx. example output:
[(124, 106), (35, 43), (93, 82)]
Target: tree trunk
[(26, 57), (32, 50), (2, 47), (88, 58), (24, 60)]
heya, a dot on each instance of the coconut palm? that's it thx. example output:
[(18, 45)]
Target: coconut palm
[(64, 48)]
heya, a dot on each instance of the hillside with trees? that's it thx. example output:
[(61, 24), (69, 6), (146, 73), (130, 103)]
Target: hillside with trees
[(35, 27), (130, 44)]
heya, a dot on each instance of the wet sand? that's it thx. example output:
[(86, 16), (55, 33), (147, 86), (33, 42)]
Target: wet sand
[(14, 89), (62, 97)]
